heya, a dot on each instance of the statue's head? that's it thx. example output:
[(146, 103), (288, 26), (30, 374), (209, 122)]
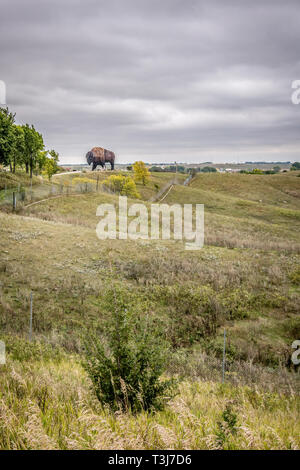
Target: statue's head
[(89, 157)]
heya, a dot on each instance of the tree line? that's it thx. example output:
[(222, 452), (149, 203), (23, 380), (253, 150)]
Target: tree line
[(22, 146)]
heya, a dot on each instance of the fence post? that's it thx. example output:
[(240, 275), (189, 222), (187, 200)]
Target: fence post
[(224, 355), (14, 201), (30, 319)]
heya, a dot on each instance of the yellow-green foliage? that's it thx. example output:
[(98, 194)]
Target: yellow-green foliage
[(82, 180), (141, 172), (121, 184)]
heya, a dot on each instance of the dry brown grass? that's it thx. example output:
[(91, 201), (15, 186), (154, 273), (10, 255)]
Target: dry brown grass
[(50, 406)]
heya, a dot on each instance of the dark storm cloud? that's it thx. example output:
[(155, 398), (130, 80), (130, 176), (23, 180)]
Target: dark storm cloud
[(158, 80)]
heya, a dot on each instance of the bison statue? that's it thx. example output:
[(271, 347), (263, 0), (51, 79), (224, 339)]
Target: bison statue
[(99, 156)]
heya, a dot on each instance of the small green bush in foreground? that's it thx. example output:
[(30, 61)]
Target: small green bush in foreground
[(126, 365)]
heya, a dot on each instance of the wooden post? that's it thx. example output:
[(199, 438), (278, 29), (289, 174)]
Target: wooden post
[(14, 201), (224, 355), (30, 319)]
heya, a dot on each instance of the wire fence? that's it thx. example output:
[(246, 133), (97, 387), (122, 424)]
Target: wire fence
[(16, 197)]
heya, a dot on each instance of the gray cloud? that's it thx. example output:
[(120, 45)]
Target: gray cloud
[(191, 81)]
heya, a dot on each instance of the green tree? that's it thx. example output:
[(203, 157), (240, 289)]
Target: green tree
[(208, 169), (295, 166), (18, 147), (50, 167), (50, 164), (156, 169), (41, 160), (7, 136), (34, 144), (141, 172)]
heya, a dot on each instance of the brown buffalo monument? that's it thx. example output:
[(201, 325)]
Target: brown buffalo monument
[(99, 156)]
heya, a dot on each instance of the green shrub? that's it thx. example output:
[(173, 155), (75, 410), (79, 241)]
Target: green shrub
[(23, 350), (126, 364), (121, 184), (295, 276), (227, 425)]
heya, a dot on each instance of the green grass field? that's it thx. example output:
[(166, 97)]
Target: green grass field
[(245, 279)]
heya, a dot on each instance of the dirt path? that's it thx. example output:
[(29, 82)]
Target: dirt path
[(166, 193), (51, 197)]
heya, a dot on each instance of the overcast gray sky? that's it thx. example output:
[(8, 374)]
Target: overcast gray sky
[(155, 80)]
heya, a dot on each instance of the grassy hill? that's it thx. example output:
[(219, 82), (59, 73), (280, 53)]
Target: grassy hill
[(246, 279)]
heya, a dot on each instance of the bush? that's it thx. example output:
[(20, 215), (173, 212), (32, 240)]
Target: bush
[(121, 184), (227, 425), (295, 166), (126, 364), (208, 169), (141, 173)]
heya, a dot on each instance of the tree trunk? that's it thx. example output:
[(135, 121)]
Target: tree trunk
[(31, 167), (14, 167), (26, 165)]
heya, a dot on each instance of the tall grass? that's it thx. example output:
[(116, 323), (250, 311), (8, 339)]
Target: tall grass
[(50, 405)]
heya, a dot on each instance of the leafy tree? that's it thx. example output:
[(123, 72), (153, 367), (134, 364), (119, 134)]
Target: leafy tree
[(126, 365), (7, 136), (18, 147), (50, 165), (208, 169), (42, 159), (181, 169), (121, 184), (295, 166), (276, 169), (34, 144), (141, 172), (129, 189), (156, 169)]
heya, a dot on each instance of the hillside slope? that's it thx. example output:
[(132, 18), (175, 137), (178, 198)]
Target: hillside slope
[(245, 279)]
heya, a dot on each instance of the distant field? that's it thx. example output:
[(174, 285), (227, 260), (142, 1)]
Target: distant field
[(280, 189)]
